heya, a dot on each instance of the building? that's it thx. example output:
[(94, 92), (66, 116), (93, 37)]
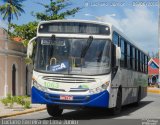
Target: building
[(14, 73), (153, 70)]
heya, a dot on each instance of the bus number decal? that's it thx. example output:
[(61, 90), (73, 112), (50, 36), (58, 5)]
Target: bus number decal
[(51, 85)]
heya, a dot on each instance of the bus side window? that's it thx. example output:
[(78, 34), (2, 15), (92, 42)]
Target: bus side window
[(128, 56), (133, 58), (125, 54), (115, 38), (141, 61), (122, 61), (113, 56), (139, 64), (146, 64), (136, 61)]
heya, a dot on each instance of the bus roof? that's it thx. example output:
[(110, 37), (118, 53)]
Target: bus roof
[(112, 28), (75, 20)]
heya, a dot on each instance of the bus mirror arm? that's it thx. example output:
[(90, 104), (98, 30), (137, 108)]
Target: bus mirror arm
[(30, 47)]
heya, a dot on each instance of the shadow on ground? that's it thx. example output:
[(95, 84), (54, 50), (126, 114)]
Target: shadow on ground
[(88, 114)]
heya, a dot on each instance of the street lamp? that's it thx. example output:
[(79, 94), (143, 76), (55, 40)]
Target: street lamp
[(99, 18)]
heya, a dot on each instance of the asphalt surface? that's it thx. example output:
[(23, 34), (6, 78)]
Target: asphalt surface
[(147, 113)]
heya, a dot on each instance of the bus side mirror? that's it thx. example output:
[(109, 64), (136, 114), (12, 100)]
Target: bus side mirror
[(30, 47), (118, 53)]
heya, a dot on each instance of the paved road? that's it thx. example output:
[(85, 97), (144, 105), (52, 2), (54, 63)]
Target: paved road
[(149, 109)]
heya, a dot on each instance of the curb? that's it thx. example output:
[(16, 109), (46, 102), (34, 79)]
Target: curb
[(155, 91), (23, 112)]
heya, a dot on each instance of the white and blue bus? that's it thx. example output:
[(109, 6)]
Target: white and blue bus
[(80, 64)]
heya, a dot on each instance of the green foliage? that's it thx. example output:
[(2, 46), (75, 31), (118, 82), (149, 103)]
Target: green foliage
[(21, 100), (25, 43), (5, 101), (25, 31), (9, 96), (27, 104), (28, 60), (57, 9), (8, 101)]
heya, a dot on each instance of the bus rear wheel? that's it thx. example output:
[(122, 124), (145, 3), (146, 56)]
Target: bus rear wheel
[(137, 103), (54, 110), (116, 110)]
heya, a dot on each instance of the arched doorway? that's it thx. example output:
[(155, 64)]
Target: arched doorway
[(13, 80), (154, 79)]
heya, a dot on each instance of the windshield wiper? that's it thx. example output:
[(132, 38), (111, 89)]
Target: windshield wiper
[(85, 49)]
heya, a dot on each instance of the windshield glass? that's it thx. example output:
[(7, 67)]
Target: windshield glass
[(73, 56)]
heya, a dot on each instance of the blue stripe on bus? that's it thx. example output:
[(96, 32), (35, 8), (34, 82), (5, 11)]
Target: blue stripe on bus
[(95, 100)]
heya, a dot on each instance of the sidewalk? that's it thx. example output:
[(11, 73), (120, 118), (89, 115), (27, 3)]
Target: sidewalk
[(153, 90), (18, 110)]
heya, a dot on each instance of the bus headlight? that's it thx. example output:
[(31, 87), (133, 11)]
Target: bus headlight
[(38, 86), (99, 89), (105, 85)]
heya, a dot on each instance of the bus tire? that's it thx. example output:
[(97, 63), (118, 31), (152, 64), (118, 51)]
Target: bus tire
[(116, 110), (137, 103), (54, 110)]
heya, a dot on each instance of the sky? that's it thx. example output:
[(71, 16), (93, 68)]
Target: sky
[(138, 20)]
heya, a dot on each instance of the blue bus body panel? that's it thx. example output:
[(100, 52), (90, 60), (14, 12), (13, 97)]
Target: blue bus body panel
[(95, 100)]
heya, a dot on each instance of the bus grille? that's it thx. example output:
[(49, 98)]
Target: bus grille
[(72, 90), (61, 79)]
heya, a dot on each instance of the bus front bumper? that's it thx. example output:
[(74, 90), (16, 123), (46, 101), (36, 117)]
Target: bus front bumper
[(95, 100)]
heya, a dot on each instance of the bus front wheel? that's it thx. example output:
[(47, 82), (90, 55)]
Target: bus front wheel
[(54, 110), (116, 110)]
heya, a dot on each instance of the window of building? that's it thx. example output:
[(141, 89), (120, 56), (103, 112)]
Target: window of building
[(153, 65)]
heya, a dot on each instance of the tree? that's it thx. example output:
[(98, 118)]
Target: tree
[(10, 9), (57, 9), (25, 31), (53, 11)]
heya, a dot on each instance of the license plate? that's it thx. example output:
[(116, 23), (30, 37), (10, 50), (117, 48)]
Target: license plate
[(66, 97)]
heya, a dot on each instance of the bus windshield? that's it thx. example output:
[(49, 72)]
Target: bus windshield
[(73, 56)]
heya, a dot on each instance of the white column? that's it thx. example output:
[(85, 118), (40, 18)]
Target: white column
[(22, 83), (6, 68), (6, 77)]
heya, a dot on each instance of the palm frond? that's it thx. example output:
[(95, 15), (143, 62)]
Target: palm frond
[(11, 9)]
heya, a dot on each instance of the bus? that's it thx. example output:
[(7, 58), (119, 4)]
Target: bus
[(85, 64)]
